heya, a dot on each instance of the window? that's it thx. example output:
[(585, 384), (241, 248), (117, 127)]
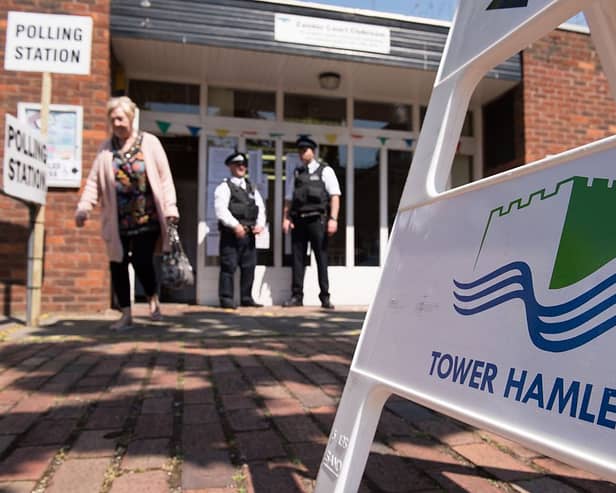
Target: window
[(387, 116), (266, 184), (461, 171), (314, 109), (366, 220), (336, 157), (165, 96), (241, 104), (467, 126), (398, 165)]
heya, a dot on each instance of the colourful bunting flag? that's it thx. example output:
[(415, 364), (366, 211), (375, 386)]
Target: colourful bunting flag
[(222, 132), (163, 126), (331, 138), (275, 135), (249, 132), (383, 140), (357, 136), (409, 142), (194, 131)]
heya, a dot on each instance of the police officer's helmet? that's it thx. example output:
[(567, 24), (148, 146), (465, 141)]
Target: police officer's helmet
[(237, 158), (304, 141)]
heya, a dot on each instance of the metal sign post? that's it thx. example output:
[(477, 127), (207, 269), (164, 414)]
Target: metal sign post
[(496, 302)]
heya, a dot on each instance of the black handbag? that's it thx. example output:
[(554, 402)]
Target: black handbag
[(176, 271)]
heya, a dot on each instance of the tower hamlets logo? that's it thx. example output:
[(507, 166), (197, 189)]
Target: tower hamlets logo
[(587, 244)]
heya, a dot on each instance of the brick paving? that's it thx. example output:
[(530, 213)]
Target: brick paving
[(215, 401)]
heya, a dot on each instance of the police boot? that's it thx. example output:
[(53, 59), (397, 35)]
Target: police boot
[(326, 303), (293, 301)]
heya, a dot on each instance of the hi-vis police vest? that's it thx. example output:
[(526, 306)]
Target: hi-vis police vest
[(309, 193), (242, 204)]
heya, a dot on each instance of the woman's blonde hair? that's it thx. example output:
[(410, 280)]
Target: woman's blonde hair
[(125, 104)]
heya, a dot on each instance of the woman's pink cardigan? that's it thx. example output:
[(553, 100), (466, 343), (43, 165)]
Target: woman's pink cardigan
[(101, 187)]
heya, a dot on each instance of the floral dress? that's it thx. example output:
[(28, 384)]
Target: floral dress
[(136, 207)]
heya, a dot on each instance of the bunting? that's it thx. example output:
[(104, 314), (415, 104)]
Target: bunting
[(248, 132), (275, 135), (409, 142), (194, 131), (163, 126), (383, 140), (331, 138), (357, 136), (222, 132)]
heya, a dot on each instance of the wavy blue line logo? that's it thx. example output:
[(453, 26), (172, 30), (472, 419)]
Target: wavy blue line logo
[(587, 244)]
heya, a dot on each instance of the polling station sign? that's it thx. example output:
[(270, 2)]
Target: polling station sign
[(25, 162), (48, 43)]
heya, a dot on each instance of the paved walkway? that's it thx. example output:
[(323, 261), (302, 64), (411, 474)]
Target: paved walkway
[(218, 401)]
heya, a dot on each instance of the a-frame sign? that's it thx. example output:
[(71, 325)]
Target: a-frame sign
[(497, 301)]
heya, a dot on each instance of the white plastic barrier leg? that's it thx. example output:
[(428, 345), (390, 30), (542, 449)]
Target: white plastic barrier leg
[(351, 435)]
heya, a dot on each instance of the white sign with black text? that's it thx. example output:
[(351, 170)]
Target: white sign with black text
[(316, 31), (25, 162), (59, 44)]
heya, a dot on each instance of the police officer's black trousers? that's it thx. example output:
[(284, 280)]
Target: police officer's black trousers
[(309, 230), (236, 251)]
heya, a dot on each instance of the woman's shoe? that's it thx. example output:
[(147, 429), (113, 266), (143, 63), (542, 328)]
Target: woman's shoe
[(155, 314), (125, 323)]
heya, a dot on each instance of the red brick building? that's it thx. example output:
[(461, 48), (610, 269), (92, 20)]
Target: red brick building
[(552, 97)]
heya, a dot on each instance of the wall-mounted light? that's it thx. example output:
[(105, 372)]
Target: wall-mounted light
[(329, 80)]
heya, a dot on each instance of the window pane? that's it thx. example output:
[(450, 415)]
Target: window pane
[(267, 183), (367, 202), (467, 126), (398, 165), (336, 157), (314, 109), (241, 104), (164, 96), (461, 171), (382, 115), (288, 150)]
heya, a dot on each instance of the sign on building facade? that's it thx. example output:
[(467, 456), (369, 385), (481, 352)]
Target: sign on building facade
[(48, 43)]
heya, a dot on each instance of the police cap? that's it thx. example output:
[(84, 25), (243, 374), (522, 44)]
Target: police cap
[(237, 158), (304, 141)]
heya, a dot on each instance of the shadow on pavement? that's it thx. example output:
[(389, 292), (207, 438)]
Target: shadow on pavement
[(216, 399)]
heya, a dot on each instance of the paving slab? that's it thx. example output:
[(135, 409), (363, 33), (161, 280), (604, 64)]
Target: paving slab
[(212, 400)]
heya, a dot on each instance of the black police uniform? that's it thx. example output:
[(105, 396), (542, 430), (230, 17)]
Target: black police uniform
[(236, 251), (309, 212)]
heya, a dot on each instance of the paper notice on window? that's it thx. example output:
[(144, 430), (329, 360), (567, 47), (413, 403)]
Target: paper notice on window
[(217, 171), (262, 240)]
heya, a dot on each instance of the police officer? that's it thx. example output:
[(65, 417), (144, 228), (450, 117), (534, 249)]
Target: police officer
[(310, 212), (241, 215)]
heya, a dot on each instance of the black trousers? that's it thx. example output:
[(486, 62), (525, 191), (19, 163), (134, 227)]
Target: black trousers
[(311, 230), (139, 251), (236, 251)]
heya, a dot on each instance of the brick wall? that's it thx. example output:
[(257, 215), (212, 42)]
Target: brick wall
[(75, 265), (567, 101)]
